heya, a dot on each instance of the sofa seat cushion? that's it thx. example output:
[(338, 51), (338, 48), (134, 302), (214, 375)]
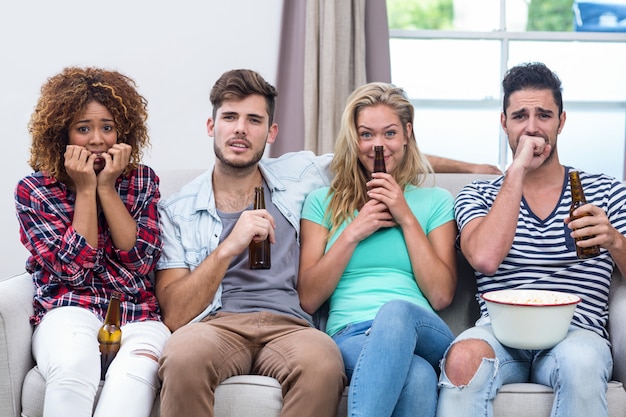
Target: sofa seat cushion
[(249, 395), (260, 396), (243, 395), (534, 400)]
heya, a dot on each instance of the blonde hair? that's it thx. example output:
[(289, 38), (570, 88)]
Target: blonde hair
[(348, 187)]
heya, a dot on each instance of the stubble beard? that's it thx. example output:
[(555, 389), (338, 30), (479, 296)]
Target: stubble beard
[(238, 166)]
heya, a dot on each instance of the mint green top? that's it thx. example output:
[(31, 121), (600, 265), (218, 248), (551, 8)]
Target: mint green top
[(380, 268)]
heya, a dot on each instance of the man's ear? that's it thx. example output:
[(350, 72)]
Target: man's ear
[(272, 133), (210, 126), (561, 122), (503, 122)]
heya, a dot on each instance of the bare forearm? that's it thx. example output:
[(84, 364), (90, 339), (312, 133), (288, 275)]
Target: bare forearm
[(183, 294), (121, 224), (486, 243), (85, 220), (447, 165), (618, 252), (433, 260), (317, 282)]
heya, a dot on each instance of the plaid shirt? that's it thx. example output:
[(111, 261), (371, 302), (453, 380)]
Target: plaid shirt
[(67, 271)]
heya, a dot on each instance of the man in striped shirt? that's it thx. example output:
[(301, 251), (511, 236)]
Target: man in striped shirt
[(516, 233)]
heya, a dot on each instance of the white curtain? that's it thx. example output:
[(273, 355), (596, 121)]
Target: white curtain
[(328, 48), (334, 66)]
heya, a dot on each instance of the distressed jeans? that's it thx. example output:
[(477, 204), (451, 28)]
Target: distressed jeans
[(65, 347), (393, 361), (577, 369)]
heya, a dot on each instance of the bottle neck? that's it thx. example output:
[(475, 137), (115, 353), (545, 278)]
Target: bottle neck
[(259, 198), (379, 159), (578, 194), (113, 311)]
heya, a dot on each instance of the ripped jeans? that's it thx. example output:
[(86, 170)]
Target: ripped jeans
[(577, 369), (65, 347)]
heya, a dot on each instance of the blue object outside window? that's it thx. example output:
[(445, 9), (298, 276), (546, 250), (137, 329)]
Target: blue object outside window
[(600, 15)]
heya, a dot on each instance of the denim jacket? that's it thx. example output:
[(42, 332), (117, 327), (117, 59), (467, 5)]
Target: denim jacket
[(191, 227)]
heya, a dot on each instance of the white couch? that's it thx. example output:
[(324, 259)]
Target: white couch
[(22, 387)]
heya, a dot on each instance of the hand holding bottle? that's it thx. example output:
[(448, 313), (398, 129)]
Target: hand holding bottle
[(259, 251)]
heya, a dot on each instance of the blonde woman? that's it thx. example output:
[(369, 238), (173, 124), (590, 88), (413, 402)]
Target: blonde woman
[(380, 248)]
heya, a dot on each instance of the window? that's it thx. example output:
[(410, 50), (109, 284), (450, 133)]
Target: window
[(451, 55)]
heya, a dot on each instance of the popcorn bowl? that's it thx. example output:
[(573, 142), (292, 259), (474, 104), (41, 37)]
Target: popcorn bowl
[(530, 319)]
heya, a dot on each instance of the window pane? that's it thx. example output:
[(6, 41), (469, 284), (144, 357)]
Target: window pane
[(477, 15), (420, 14), (589, 70), (468, 133), (446, 69), (550, 15), (593, 140), (521, 15)]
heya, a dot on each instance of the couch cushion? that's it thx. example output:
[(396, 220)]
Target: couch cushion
[(249, 395), (533, 400), (15, 329), (33, 392), (260, 396), (244, 395)]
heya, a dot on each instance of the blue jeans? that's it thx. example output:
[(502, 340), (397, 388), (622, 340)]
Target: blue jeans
[(577, 369), (393, 361)]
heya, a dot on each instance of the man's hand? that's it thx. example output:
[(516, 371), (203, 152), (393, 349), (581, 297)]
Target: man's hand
[(593, 222), (252, 225), (531, 152)]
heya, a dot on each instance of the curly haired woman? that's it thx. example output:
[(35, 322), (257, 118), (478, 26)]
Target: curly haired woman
[(88, 215)]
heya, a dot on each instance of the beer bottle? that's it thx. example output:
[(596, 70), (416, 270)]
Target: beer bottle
[(110, 335), (259, 252), (578, 199), (379, 159)]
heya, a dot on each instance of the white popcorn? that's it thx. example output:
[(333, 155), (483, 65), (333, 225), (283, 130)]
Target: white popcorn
[(531, 297)]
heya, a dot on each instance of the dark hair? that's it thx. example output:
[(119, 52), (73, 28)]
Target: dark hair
[(532, 76), (239, 84), (65, 96)]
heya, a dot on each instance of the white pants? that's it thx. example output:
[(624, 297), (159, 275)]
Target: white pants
[(65, 347)]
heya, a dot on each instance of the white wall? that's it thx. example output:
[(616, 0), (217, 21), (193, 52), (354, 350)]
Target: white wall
[(174, 50)]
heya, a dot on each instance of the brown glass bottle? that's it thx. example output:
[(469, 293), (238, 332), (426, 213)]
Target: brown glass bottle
[(110, 335), (379, 159), (259, 252), (578, 199)]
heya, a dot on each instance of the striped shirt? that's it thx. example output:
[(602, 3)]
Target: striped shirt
[(67, 271), (543, 254)]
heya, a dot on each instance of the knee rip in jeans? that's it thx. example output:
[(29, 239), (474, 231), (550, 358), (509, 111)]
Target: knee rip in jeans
[(147, 353), (471, 347), (464, 360)]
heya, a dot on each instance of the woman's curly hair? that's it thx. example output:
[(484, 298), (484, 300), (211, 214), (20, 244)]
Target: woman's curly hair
[(65, 96)]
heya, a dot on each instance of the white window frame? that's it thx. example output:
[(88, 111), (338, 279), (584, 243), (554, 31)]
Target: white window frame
[(505, 38)]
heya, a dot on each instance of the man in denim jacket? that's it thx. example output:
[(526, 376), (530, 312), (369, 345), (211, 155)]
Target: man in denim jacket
[(227, 318)]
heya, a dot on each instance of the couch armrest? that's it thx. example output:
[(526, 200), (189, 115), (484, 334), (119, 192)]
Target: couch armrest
[(617, 325), (16, 307)]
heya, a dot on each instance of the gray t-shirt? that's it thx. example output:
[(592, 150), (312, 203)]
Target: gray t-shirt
[(246, 290)]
